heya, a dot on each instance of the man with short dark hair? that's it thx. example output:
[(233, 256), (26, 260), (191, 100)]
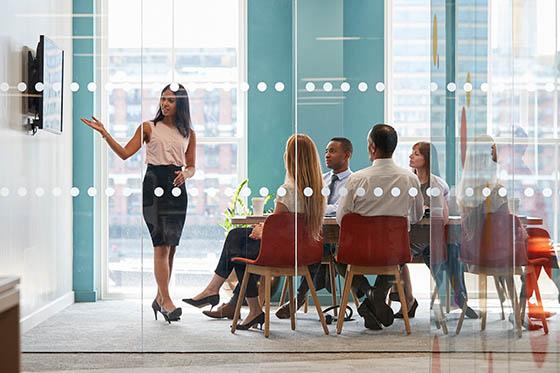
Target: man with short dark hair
[(337, 158), (383, 189)]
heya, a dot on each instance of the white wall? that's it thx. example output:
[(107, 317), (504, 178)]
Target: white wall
[(35, 232)]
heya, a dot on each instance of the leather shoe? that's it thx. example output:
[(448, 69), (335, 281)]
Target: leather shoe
[(284, 311), (226, 310), (370, 321), (380, 309)]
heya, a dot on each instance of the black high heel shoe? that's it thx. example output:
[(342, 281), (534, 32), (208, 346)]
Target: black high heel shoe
[(212, 300), (411, 311), (156, 307), (258, 320), (174, 315)]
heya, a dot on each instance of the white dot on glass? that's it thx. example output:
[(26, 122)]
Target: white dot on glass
[(57, 191), (362, 87), (435, 192), (245, 86), (327, 87), (39, 86), (360, 192), (486, 192), (529, 192), (484, 87), (127, 192), (228, 192), (261, 86), (174, 87), (413, 192), (279, 86), (281, 192), (502, 192), (57, 86), (433, 86), (193, 192), (158, 192), (4, 192), (344, 86), (176, 192), (547, 192), (429, 191), (246, 192), (380, 87), (467, 87), (378, 192), (39, 192), (263, 191), (325, 191), (451, 87), (92, 192), (549, 87), (469, 192), (343, 192), (74, 87), (91, 86), (4, 87), (308, 192), (22, 191), (310, 86), (21, 86), (74, 192), (109, 192), (395, 192)]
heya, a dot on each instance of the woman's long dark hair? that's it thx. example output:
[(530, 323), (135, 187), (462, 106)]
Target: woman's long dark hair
[(183, 114)]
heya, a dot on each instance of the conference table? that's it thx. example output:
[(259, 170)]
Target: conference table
[(331, 228)]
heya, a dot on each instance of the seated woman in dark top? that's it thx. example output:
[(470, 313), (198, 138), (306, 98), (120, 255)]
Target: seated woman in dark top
[(245, 242), (436, 193)]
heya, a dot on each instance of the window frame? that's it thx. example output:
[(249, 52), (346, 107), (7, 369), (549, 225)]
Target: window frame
[(101, 166)]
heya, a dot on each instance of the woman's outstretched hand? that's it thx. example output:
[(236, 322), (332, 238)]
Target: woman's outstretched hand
[(96, 125)]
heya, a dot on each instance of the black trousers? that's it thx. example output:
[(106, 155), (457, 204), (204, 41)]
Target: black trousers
[(239, 244)]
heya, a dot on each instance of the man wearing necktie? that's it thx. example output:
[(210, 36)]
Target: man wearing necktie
[(337, 158)]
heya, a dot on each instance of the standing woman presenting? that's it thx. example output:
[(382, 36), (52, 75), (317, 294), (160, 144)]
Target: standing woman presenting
[(170, 155)]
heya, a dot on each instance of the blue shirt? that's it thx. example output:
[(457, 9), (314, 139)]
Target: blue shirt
[(342, 179)]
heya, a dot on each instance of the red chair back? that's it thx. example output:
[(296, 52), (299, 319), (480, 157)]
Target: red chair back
[(283, 235), (373, 240), (500, 241), (539, 244), (438, 241)]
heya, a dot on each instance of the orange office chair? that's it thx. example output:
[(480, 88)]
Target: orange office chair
[(499, 248), (373, 245), (277, 257)]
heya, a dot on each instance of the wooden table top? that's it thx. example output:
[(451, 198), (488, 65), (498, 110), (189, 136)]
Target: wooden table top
[(331, 220)]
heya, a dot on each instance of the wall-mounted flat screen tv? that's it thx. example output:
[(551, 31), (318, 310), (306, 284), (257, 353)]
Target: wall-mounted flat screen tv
[(45, 102)]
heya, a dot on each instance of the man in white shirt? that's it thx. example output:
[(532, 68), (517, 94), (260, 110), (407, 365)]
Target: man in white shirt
[(337, 158), (381, 189)]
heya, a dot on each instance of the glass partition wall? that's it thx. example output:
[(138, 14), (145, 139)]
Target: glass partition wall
[(470, 87), (493, 99)]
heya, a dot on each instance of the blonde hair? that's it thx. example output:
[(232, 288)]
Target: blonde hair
[(308, 175)]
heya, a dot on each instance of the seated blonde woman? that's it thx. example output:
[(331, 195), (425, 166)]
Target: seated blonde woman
[(245, 242)]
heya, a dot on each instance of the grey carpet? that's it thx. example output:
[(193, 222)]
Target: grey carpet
[(116, 326), (278, 362)]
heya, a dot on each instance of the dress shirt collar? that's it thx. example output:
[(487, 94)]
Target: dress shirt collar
[(341, 175), (383, 162)]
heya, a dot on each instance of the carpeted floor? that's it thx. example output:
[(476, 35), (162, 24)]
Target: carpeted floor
[(290, 362), (116, 326)]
